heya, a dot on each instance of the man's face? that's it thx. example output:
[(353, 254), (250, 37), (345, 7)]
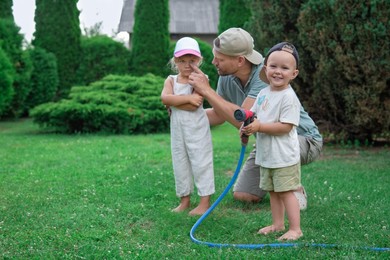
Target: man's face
[(226, 65)]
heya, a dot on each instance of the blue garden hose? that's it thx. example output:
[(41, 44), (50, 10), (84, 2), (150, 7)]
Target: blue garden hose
[(259, 246)]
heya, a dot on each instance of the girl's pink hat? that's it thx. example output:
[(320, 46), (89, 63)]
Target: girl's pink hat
[(187, 45)]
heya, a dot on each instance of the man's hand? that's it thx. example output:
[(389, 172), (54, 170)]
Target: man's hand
[(199, 81)]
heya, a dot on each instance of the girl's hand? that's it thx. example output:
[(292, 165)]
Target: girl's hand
[(196, 99)]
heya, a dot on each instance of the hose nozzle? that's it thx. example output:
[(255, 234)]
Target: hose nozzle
[(246, 116)]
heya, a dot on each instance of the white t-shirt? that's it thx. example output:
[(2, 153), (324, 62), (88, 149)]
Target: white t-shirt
[(277, 151)]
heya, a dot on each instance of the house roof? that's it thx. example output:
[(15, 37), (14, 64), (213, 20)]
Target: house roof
[(186, 16)]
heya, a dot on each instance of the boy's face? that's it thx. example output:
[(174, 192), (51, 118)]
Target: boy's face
[(280, 69)]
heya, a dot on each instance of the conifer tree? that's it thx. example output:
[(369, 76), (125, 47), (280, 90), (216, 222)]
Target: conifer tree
[(232, 13), (6, 9), (57, 30), (150, 41)]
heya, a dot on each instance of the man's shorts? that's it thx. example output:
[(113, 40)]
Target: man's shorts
[(249, 178), (281, 179)]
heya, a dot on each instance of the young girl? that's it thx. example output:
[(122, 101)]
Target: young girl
[(278, 109), (191, 146)]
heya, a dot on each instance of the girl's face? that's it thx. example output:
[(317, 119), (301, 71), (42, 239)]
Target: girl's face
[(183, 64), (280, 69)]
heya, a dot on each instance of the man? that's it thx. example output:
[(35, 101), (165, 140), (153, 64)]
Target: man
[(239, 66)]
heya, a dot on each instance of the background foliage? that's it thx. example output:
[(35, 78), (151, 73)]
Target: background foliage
[(57, 30), (44, 77), (344, 63), (101, 55), (6, 80), (150, 41), (233, 13), (342, 83), (115, 104), (11, 42), (6, 9)]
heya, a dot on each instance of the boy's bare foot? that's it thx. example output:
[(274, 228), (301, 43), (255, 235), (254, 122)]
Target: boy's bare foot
[(291, 235), (270, 229), (199, 210)]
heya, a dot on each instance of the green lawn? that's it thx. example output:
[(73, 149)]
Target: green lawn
[(109, 197)]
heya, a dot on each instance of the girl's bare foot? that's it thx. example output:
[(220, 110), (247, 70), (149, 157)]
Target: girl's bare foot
[(180, 208), (291, 235), (270, 229), (184, 204), (199, 210), (204, 205)]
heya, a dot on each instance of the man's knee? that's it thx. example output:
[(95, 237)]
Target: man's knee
[(246, 197)]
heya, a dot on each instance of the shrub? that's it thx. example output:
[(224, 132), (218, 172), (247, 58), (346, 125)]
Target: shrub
[(11, 43), (57, 30), (343, 72), (101, 56), (150, 38), (233, 13), (346, 40), (44, 77), (6, 80), (115, 104)]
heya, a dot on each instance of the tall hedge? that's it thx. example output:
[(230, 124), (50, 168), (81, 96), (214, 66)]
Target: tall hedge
[(273, 21), (101, 55), (57, 30), (344, 66), (6, 9), (6, 81), (348, 43), (233, 13), (11, 42), (44, 77), (150, 39)]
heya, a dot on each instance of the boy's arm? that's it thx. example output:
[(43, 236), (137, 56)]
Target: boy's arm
[(277, 128)]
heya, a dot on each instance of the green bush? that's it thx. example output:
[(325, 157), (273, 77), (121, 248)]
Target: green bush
[(11, 42), (115, 104), (6, 80), (44, 77), (6, 9), (233, 13), (101, 56), (57, 30), (347, 41), (344, 60), (150, 38), (207, 66)]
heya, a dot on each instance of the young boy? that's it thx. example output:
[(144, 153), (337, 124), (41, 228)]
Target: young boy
[(278, 109)]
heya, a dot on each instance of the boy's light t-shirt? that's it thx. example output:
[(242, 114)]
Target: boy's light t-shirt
[(277, 106)]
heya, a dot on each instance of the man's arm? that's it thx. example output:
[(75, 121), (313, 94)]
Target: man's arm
[(221, 110)]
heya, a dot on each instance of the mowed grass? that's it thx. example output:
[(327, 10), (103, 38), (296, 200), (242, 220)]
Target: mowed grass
[(109, 197)]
